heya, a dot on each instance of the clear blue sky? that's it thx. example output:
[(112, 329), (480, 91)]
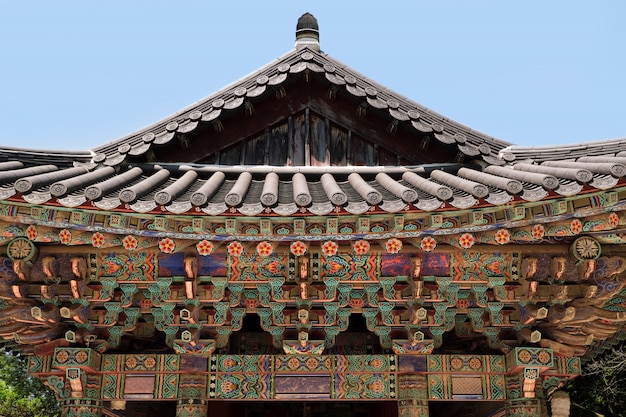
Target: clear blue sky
[(76, 74)]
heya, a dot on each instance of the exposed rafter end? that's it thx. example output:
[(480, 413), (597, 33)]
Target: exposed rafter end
[(280, 91), (218, 127), (184, 141), (392, 128), (361, 109), (332, 92)]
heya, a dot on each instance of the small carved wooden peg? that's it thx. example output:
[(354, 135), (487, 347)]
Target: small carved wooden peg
[(529, 267), (303, 339), (416, 267), (416, 338), (587, 268), (304, 291), (190, 291), (303, 268), (303, 316), (558, 267), (77, 288), (21, 269), (49, 266), (591, 291), (79, 267), (191, 267), (47, 291), (418, 289)]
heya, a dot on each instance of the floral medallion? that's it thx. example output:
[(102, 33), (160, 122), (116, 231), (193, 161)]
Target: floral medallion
[(329, 248), (264, 249), (167, 245), (31, 232), (65, 236), (130, 242), (235, 249), (97, 240), (467, 240), (298, 248), (428, 244), (393, 245), (204, 247), (503, 236), (576, 226), (361, 247), (538, 231)]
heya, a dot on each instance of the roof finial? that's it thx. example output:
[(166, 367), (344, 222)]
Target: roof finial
[(307, 32)]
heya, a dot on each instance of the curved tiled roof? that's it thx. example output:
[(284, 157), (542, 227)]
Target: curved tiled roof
[(604, 148), (40, 156), (272, 77), (252, 190), (105, 179)]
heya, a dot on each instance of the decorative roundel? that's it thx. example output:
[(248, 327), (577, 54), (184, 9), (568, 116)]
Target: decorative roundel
[(21, 249), (586, 248), (544, 357), (524, 356)]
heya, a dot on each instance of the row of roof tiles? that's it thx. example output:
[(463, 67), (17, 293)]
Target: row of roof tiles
[(272, 76), (590, 151), (287, 190)]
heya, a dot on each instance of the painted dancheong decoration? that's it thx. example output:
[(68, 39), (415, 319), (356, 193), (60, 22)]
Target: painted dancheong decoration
[(307, 234)]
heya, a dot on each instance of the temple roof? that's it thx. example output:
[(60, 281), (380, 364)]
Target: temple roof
[(306, 136)]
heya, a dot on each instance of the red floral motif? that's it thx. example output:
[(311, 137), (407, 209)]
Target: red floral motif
[(264, 249), (613, 220), (537, 231), (576, 226), (503, 236), (356, 302), (130, 242), (204, 247), (393, 245), (428, 244), (329, 248), (31, 232), (235, 249), (65, 236), (167, 245), (466, 240), (97, 240), (298, 248), (361, 247), (251, 303)]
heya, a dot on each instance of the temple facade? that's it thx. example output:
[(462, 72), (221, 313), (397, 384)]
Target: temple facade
[(306, 242)]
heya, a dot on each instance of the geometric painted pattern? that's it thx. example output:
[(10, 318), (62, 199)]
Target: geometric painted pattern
[(266, 377)]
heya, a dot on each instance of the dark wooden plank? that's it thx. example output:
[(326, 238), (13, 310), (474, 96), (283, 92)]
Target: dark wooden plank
[(232, 155), (255, 150), (362, 152), (318, 146), (338, 145), (296, 140), (278, 144), (387, 157)]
